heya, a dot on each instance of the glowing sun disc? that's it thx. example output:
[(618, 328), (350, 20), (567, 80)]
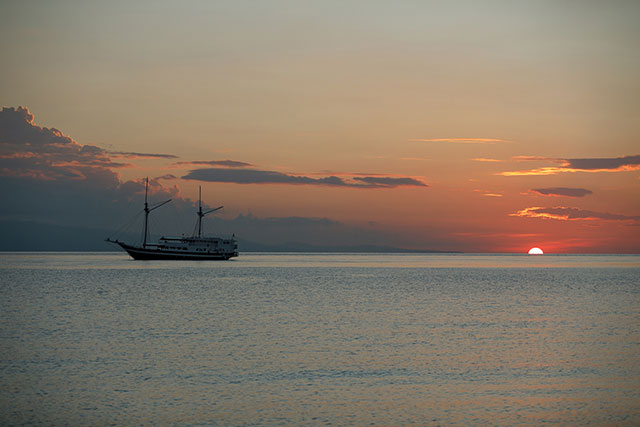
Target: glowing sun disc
[(535, 251)]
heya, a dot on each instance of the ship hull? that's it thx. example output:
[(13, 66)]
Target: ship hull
[(139, 253)]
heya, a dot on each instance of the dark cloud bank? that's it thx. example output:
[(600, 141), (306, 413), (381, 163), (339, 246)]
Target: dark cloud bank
[(603, 163), (58, 194), (48, 178), (610, 164), (253, 176)]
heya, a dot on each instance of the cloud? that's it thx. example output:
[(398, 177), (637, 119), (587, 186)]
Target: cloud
[(28, 150), (247, 176), (390, 182), (487, 193), (47, 177), (535, 172), (481, 159), (132, 155), (533, 158), (562, 191), (571, 214), (254, 176), (615, 164), (223, 163), (460, 140)]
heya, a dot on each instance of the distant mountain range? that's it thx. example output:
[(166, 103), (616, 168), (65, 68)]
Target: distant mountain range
[(33, 236), (248, 246)]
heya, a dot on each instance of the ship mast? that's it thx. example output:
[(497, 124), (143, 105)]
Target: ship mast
[(202, 214), (146, 212), (147, 209)]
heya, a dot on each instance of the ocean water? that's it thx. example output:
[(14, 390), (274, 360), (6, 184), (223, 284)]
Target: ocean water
[(309, 339)]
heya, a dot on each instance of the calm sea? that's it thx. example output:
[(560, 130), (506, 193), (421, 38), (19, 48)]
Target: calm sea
[(290, 339)]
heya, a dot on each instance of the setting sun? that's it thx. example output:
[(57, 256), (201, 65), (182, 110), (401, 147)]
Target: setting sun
[(535, 251)]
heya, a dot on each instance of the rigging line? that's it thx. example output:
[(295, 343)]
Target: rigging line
[(213, 218), (122, 218), (195, 230), (140, 242), (126, 225), (151, 223)]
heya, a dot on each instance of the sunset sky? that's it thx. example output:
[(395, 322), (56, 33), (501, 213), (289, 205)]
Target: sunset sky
[(476, 126)]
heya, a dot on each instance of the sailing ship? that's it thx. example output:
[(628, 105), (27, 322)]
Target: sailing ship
[(195, 247)]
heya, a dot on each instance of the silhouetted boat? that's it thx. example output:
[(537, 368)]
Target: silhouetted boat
[(195, 247)]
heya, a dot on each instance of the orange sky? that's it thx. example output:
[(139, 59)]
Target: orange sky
[(473, 126)]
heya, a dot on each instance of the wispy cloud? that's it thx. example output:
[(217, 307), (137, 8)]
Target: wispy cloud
[(615, 164), (571, 214), (536, 172), (482, 159), (389, 182), (132, 155), (562, 191), (460, 140), (485, 234), (222, 163), (253, 176), (534, 158), (487, 193)]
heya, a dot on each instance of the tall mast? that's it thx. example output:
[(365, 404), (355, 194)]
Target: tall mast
[(202, 214), (146, 212), (147, 209)]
